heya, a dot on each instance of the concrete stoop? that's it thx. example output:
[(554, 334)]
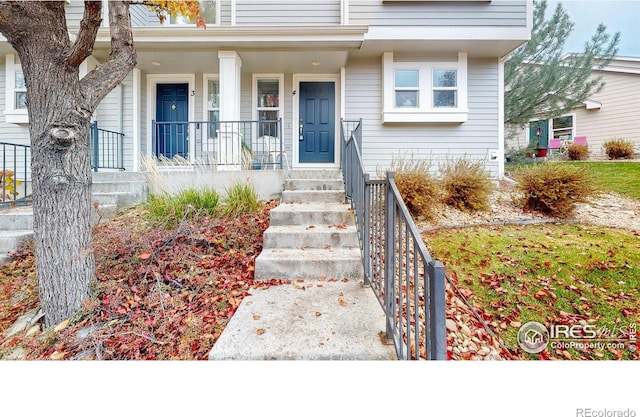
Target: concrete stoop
[(113, 192), (325, 312)]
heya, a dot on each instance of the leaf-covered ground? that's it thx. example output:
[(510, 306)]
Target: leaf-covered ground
[(159, 294), (555, 274)]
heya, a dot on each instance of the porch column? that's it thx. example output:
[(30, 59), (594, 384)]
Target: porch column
[(229, 139)]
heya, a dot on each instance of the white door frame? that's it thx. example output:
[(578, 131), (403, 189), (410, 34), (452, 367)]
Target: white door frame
[(295, 146), (152, 81)]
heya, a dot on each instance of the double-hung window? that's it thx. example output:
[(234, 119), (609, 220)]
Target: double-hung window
[(15, 91), (267, 93), (212, 104), (425, 91)]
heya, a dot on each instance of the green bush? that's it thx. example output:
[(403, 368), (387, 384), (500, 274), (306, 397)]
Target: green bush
[(418, 188), (169, 210), (618, 148), (467, 186), (553, 188), (241, 199), (577, 152)]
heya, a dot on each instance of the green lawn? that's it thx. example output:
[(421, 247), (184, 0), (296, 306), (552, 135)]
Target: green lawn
[(552, 273), (620, 177)]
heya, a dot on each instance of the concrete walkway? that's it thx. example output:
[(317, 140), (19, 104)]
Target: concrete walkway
[(325, 312)]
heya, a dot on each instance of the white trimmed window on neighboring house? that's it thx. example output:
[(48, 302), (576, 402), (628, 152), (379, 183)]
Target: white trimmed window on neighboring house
[(425, 91), (16, 91)]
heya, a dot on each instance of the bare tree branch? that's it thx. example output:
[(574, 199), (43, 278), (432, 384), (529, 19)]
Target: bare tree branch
[(83, 46)]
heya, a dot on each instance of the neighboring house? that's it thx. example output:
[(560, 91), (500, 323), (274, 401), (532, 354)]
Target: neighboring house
[(425, 77), (611, 113)]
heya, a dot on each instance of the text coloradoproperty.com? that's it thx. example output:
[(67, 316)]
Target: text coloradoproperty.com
[(590, 412)]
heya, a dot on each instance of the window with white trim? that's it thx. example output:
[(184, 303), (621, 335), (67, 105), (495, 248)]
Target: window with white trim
[(563, 127), (15, 91), (267, 94), (209, 11), (425, 91), (213, 105)]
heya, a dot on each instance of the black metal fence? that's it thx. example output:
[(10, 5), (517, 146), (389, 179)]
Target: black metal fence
[(15, 174), (409, 284), (252, 144), (107, 148)]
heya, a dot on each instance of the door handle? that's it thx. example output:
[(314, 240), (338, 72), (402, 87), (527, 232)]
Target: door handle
[(301, 130)]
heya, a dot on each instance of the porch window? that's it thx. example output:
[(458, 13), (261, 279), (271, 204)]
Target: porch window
[(425, 91), (268, 108), (209, 13), (213, 106), (15, 91)]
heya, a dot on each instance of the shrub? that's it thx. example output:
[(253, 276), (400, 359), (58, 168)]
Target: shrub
[(241, 199), (577, 152), (466, 185), (169, 210), (418, 188), (618, 148), (553, 188)]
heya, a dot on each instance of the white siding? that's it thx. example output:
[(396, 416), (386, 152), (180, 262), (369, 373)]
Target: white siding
[(289, 12), (140, 15), (441, 13), (435, 142), (74, 12)]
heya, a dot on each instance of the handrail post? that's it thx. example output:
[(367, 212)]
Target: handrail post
[(437, 341), (94, 139), (280, 140), (389, 249), (366, 233)]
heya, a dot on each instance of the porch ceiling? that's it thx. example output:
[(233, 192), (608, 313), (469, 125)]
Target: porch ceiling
[(182, 61)]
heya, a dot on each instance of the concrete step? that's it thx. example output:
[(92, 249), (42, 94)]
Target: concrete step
[(318, 237), (313, 184), (122, 199), (335, 321), (313, 196), (118, 176), (311, 214), (314, 174), (309, 263), (17, 218), (11, 239)]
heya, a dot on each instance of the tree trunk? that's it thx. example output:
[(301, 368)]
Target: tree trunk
[(60, 107)]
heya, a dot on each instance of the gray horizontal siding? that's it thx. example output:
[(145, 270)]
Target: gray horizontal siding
[(140, 15), (74, 12), (433, 142), (281, 12), (495, 13)]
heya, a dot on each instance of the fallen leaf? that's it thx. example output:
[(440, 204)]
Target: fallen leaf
[(256, 317), (57, 355), (260, 331), (342, 302), (61, 326), (318, 314), (144, 255), (345, 279)]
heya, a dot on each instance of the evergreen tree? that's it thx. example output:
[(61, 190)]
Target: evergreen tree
[(540, 82)]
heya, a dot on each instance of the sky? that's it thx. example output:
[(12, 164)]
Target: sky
[(617, 15)]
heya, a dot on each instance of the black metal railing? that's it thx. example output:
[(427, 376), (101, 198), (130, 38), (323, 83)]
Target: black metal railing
[(409, 284), (251, 144), (107, 148), (15, 174)]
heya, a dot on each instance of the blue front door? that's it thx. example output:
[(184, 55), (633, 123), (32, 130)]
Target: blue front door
[(172, 106), (317, 122)]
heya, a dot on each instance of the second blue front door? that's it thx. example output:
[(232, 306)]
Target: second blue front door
[(317, 122), (172, 107)]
